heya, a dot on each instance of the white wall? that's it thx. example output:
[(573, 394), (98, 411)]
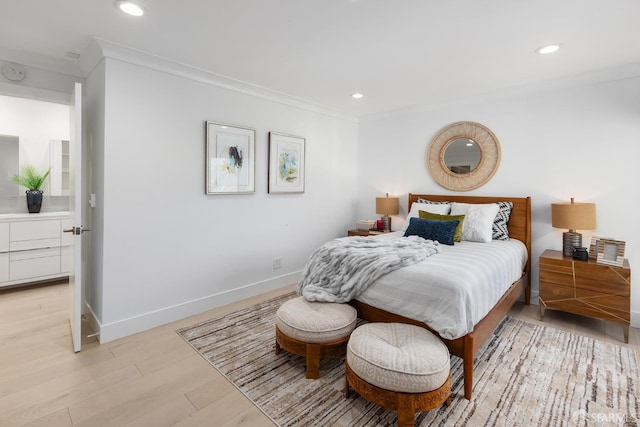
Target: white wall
[(35, 123), (567, 141), (169, 250)]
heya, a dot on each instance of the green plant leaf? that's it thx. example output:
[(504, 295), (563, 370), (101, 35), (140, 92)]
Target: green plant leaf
[(30, 177)]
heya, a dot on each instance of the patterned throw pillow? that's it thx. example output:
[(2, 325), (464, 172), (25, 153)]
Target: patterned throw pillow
[(442, 231), (499, 228), (431, 202)]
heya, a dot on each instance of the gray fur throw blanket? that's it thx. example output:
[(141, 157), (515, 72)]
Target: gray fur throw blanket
[(343, 268)]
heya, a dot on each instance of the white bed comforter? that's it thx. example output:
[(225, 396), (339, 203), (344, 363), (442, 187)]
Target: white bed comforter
[(453, 290)]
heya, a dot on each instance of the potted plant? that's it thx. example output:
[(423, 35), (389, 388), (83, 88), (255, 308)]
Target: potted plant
[(32, 179)]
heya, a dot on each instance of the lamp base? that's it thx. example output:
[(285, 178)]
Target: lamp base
[(386, 223), (570, 240)]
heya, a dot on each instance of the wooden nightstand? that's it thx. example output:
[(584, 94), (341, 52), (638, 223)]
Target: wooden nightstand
[(363, 232), (586, 288)]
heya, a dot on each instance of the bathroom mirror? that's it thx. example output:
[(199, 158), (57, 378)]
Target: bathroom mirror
[(463, 156), (9, 164)]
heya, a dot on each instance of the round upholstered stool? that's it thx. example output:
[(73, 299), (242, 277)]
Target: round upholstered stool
[(399, 367), (314, 330)]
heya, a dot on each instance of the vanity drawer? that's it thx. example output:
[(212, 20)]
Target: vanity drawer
[(26, 245), (34, 254), (4, 237), (34, 230), (34, 267), (4, 267)]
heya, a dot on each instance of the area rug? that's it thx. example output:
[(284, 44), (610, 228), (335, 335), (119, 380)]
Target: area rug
[(524, 375)]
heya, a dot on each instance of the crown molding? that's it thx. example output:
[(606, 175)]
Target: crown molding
[(99, 48), (47, 63)]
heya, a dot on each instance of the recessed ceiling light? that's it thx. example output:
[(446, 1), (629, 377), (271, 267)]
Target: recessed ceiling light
[(130, 8), (357, 96), (547, 49)]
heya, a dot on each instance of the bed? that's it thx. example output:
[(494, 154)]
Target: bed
[(465, 346)]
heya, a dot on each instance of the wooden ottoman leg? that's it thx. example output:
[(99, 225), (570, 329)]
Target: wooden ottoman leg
[(406, 412), (346, 387), (313, 361)]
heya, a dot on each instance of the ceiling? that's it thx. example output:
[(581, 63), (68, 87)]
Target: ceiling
[(398, 53)]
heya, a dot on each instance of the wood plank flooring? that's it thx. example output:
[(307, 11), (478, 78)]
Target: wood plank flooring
[(149, 379)]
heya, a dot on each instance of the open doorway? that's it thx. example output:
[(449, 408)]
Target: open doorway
[(34, 250)]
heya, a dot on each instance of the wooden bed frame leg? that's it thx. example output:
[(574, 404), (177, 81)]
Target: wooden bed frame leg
[(467, 366)]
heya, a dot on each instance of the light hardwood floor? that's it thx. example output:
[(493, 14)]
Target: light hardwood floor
[(149, 379)]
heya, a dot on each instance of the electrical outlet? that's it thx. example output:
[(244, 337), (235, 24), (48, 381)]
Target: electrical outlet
[(277, 263)]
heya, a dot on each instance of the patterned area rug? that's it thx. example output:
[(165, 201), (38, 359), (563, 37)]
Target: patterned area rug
[(525, 375)]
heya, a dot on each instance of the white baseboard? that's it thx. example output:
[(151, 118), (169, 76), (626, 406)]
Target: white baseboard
[(122, 328), (125, 327), (635, 319)]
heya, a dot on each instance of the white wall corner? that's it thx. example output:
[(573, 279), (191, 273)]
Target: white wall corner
[(91, 57), (94, 323), (125, 327)]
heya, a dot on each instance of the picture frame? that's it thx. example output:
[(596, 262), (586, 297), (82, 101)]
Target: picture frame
[(286, 163), (230, 159), (593, 246), (610, 252)]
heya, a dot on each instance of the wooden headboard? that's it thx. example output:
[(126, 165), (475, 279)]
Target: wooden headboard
[(519, 223)]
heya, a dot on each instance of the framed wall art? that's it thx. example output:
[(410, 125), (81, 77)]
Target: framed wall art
[(286, 163), (610, 252), (230, 159)]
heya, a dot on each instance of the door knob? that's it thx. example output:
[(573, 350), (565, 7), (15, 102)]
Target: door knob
[(76, 231)]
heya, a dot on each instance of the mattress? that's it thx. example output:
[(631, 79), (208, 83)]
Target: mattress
[(453, 290)]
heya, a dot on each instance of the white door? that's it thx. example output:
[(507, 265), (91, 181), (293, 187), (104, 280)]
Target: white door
[(75, 208)]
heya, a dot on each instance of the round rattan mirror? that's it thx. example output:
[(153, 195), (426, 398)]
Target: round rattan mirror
[(463, 156)]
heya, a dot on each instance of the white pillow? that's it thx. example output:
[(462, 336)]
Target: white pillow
[(416, 207), (478, 220)]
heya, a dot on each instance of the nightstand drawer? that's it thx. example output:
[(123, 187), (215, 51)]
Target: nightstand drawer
[(552, 291), (603, 278), (556, 275)]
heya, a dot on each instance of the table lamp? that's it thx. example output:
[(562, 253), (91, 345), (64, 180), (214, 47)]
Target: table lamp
[(387, 206), (574, 216)]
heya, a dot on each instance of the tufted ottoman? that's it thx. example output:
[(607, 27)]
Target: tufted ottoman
[(400, 367), (314, 330)]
